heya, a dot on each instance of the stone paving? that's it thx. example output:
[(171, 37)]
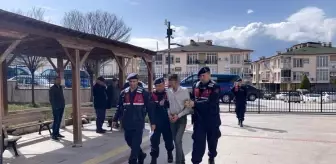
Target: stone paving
[(265, 139)]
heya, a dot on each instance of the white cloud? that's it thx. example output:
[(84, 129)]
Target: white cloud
[(249, 11), (307, 24)]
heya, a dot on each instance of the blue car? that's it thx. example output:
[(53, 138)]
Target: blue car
[(51, 74), (226, 83)]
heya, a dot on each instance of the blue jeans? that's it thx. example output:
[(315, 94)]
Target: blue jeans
[(101, 114), (58, 114)]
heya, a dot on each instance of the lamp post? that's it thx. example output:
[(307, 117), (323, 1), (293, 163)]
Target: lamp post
[(169, 36)]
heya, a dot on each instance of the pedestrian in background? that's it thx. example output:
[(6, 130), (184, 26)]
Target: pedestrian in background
[(240, 94), (206, 118), (133, 106), (100, 103), (177, 97), (56, 99), (160, 102)]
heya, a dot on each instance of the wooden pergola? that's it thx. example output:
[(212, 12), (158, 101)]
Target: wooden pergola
[(23, 35)]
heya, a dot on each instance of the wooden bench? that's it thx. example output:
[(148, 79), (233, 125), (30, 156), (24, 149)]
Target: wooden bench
[(9, 141), (23, 120), (89, 113)]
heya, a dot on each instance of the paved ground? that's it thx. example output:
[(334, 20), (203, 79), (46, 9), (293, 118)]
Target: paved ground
[(266, 139)]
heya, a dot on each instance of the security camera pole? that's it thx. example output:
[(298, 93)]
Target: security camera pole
[(169, 36)]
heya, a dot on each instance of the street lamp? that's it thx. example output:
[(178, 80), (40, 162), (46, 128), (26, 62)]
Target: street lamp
[(169, 36)]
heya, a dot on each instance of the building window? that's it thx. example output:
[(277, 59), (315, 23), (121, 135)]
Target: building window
[(322, 74), (171, 59), (297, 63), (213, 69), (297, 76), (322, 61), (192, 68), (235, 71), (211, 58), (235, 59), (158, 59), (192, 58), (177, 60)]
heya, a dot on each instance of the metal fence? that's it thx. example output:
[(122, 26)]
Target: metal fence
[(322, 101), (47, 81)]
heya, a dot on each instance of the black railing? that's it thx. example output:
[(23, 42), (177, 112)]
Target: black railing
[(317, 101)]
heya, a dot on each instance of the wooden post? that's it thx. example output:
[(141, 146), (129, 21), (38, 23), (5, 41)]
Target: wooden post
[(150, 76), (5, 88), (76, 99), (60, 71), (3, 56), (121, 63)]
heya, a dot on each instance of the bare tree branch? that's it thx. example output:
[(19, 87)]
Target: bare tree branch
[(33, 63), (99, 23)]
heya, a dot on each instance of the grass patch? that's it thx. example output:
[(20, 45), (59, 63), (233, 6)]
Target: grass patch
[(16, 107)]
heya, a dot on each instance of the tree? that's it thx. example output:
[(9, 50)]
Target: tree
[(32, 62), (305, 83), (99, 23)]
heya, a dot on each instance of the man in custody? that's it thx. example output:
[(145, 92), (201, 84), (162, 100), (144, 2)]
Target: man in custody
[(133, 106), (206, 118), (160, 112), (177, 97)]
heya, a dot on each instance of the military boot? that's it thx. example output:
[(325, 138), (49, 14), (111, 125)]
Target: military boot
[(141, 158), (211, 161), (153, 161), (241, 123), (170, 157)]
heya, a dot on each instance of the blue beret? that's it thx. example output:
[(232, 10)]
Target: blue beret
[(132, 76), (159, 80), (203, 70), (239, 80)]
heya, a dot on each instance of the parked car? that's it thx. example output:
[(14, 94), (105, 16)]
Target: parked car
[(226, 83), (311, 97), (292, 97), (330, 96), (26, 81), (269, 95), (13, 71), (51, 74), (280, 95)]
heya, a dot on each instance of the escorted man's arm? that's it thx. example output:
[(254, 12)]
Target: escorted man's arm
[(185, 111)]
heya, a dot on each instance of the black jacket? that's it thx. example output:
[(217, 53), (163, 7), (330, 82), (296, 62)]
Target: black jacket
[(206, 108), (56, 97), (99, 97), (240, 95)]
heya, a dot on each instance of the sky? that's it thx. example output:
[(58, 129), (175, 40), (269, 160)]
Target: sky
[(265, 26)]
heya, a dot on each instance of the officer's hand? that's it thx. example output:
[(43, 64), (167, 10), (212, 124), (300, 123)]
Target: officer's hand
[(187, 103), (153, 127), (191, 104), (162, 102)]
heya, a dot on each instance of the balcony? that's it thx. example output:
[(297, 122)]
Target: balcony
[(247, 61), (285, 66), (285, 79)]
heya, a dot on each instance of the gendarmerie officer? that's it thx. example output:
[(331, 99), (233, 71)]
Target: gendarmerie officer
[(240, 93), (160, 112), (133, 106), (206, 118)]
